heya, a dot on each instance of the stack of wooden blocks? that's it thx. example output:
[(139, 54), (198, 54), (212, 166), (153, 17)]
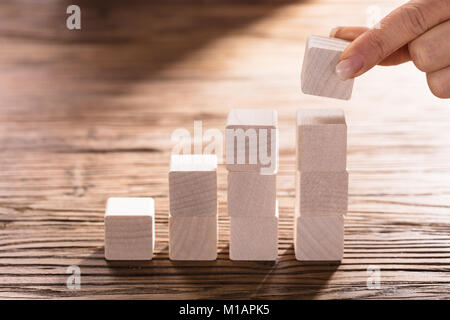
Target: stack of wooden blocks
[(252, 162), (193, 207), (321, 184)]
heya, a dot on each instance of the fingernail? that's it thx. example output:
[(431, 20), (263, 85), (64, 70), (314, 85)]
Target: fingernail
[(347, 68), (333, 32)]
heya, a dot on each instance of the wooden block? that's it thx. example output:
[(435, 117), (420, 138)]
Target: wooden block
[(252, 140), (251, 194), (254, 238), (319, 238), (321, 193), (193, 185), (318, 72), (129, 229), (321, 140), (193, 238)]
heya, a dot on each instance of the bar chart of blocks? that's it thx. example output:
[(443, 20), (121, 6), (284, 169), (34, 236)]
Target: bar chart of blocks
[(321, 184), (252, 142)]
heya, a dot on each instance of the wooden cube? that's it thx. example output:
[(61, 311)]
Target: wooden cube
[(254, 238), (319, 238), (321, 193), (129, 229), (319, 68), (321, 140), (193, 238), (193, 185), (251, 194), (252, 140)]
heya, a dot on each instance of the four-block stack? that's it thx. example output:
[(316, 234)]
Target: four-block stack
[(193, 207), (321, 184), (252, 163)]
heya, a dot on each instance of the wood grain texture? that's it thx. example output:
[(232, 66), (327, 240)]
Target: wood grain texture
[(88, 115), (319, 238), (321, 140), (318, 69), (251, 194), (321, 193), (254, 238), (193, 186), (193, 238), (252, 140), (129, 229)]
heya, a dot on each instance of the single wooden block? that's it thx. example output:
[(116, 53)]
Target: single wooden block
[(321, 193), (129, 229), (318, 72), (252, 140), (251, 194), (193, 238), (321, 140), (319, 238), (193, 185), (254, 238)]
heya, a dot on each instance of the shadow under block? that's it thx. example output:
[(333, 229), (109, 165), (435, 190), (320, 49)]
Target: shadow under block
[(321, 193), (193, 238), (318, 71), (129, 229), (321, 140), (251, 194), (319, 238), (254, 238), (252, 140), (193, 185)]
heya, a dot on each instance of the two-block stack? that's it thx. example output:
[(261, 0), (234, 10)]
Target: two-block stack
[(193, 207), (321, 184), (252, 162)]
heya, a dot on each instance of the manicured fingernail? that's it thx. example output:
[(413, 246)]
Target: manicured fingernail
[(333, 31), (347, 68)]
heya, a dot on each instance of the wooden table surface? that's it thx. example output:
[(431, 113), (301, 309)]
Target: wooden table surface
[(86, 115)]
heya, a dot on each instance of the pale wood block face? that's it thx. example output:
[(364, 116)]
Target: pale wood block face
[(321, 140), (251, 194), (129, 229), (254, 238), (252, 117), (252, 140), (321, 193), (318, 71), (193, 186), (193, 238), (319, 238), (193, 162)]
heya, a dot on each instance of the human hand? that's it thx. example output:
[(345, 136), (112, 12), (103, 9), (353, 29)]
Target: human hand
[(418, 31)]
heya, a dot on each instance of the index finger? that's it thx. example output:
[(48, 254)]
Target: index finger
[(397, 29)]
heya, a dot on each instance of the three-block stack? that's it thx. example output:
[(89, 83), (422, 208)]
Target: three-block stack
[(193, 207), (252, 163), (321, 184)]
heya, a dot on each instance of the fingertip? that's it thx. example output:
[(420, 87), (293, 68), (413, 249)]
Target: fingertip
[(334, 31)]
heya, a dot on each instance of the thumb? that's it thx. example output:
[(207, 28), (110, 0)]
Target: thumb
[(397, 29)]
